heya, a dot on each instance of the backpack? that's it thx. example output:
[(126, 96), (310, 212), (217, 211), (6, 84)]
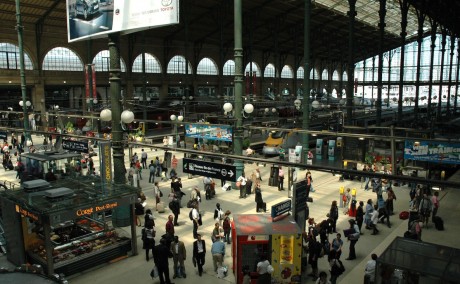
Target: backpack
[(190, 215), (337, 268)]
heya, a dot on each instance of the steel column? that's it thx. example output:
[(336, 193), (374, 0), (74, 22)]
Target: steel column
[(306, 81), (351, 65), (382, 13)]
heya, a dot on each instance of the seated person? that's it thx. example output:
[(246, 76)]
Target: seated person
[(50, 176)]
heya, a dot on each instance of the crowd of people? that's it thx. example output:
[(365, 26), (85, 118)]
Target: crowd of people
[(320, 239)]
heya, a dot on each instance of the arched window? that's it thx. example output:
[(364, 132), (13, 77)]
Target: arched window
[(335, 76), (314, 74), (177, 65), (287, 72), (62, 59), (102, 62), (255, 68), (152, 65), (9, 57), (300, 73), (269, 71), (325, 75), (345, 76), (229, 68), (207, 67)]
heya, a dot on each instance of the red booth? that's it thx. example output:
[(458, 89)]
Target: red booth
[(256, 234)]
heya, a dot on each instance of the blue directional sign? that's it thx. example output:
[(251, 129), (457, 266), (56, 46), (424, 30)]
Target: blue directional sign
[(208, 169), (281, 208)]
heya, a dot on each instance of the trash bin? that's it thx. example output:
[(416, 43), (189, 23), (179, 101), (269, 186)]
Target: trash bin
[(273, 180)]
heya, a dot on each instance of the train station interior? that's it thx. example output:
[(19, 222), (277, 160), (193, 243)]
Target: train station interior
[(233, 87)]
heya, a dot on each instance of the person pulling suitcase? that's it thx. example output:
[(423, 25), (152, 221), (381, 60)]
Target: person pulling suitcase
[(260, 204)]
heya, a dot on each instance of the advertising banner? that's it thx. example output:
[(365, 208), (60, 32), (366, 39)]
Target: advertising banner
[(209, 132), (286, 260), (319, 148), (331, 150), (430, 151), (105, 151), (95, 18)]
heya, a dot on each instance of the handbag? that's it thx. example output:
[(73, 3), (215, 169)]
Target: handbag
[(238, 183), (154, 272), (161, 193)]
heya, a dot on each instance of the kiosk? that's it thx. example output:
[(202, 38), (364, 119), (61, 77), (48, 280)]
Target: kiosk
[(254, 235), (63, 226)]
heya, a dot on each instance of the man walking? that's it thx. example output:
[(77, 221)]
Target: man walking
[(152, 172), (161, 256), (144, 159), (199, 253), (218, 253), (196, 219), (280, 179), (179, 255)]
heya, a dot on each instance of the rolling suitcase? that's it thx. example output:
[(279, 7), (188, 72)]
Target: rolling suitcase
[(262, 206), (161, 207), (438, 223)]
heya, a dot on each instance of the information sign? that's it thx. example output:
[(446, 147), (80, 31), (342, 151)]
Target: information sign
[(73, 145), (208, 169), (281, 208)]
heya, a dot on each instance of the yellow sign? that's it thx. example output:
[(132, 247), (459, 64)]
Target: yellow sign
[(26, 213), (342, 190), (95, 209)]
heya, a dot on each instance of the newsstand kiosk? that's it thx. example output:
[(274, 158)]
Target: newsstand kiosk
[(63, 227), (254, 235)]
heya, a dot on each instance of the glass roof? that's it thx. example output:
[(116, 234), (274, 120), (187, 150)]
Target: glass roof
[(368, 13)]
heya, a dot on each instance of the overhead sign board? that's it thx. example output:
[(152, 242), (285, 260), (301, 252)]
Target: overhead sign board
[(431, 151), (208, 169), (280, 208), (209, 132), (301, 195), (95, 18), (73, 145)]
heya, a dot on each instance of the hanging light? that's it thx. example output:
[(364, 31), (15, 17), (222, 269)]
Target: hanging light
[(248, 108), (28, 103), (106, 115), (173, 117), (180, 118), (21, 103), (315, 104), (228, 107), (127, 116)]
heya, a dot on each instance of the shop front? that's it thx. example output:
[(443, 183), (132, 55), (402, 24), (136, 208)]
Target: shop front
[(255, 235), (65, 227)]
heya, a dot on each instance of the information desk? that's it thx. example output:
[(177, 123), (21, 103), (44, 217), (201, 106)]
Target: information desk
[(67, 233)]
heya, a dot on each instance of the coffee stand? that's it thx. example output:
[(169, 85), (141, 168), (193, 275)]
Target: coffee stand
[(63, 226)]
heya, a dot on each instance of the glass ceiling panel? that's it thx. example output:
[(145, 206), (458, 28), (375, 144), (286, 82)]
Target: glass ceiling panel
[(368, 13)]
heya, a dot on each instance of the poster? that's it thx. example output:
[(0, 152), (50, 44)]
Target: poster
[(286, 258), (209, 132), (331, 150), (96, 18), (431, 151), (319, 148)]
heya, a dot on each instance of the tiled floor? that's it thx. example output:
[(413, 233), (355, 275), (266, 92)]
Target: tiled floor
[(135, 268)]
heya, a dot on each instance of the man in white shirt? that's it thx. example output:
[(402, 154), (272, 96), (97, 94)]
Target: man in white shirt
[(370, 269), (199, 253), (144, 159), (195, 217)]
